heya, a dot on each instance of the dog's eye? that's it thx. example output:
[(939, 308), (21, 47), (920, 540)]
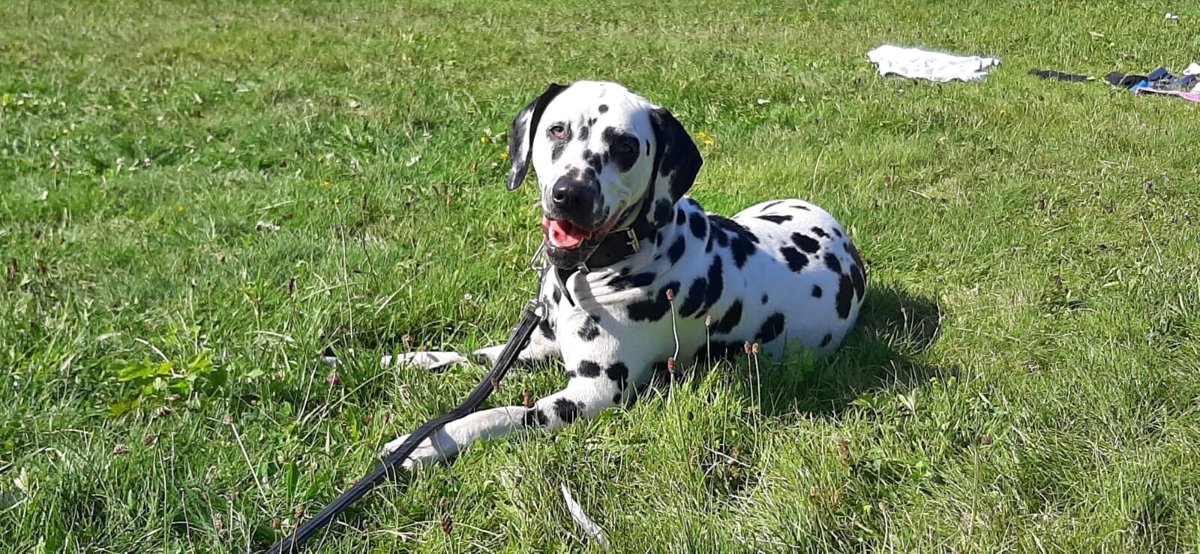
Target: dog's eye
[(622, 149), (558, 131)]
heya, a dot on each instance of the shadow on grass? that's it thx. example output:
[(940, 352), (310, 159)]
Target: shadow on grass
[(883, 352)]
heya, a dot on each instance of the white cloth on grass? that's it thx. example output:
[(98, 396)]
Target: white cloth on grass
[(916, 63)]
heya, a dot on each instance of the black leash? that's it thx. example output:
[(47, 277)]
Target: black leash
[(520, 338)]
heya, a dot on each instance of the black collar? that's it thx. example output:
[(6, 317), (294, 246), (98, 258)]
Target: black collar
[(615, 247), (619, 245)]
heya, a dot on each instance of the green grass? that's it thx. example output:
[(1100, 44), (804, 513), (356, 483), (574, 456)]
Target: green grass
[(1025, 377)]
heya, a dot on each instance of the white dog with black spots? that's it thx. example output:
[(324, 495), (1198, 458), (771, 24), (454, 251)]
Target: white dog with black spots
[(641, 273)]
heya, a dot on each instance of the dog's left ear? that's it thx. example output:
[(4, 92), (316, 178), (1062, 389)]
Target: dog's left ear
[(678, 160), (520, 138)]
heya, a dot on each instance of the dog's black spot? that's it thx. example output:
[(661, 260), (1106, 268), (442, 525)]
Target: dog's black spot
[(837, 232), (647, 147), (662, 211), (603, 108), (820, 232), (591, 121), (795, 260), (638, 280), (588, 174), (860, 282), (730, 320), (723, 223), (618, 373), (742, 249), (617, 399), (590, 330), (776, 218), (557, 148), (556, 295), (699, 225), (857, 271), (845, 294), (825, 341), (806, 243), (716, 282), (571, 374), (733, 227), (593, 160), (546, 328), (801, 207), (771, 328), (853, 252), (588, 369), (653, 309), (680, 216), (566, 410), (718, 236), (772, 204), (816, 292), (740, 240), (676, 249), (695, 297), (584, 133), (658, 237), (623, 147), (535, 417), (833, 263), (765, 299)]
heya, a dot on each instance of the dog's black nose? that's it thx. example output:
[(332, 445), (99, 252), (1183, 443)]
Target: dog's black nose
[(574, 199), (560, 193)]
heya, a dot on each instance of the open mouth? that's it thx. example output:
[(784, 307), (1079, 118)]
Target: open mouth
[(561, 233)]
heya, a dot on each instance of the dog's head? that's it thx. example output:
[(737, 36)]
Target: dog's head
[(604, 157)]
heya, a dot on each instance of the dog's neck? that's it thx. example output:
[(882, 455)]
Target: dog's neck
[(620, 244), (617, 281)]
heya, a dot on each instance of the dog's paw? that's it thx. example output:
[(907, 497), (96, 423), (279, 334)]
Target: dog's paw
[(488, 356), (425, 454), (433, 361)]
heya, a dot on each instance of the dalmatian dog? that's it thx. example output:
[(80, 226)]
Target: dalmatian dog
[(641, 274)]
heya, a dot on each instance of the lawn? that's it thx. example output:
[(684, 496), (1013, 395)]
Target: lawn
[(196, 199)]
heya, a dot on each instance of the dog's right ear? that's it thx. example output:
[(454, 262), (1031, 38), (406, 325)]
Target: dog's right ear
[(520, 138)]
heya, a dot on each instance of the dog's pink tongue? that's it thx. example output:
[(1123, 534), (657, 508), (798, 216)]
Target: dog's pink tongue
[(564, 235)]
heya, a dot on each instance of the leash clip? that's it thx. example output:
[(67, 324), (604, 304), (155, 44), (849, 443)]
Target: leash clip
[(539, 268), (633, 240)]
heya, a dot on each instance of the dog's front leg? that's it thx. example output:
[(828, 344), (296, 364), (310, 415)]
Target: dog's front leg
[(542, 344), (541, 347), (583, 398)]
